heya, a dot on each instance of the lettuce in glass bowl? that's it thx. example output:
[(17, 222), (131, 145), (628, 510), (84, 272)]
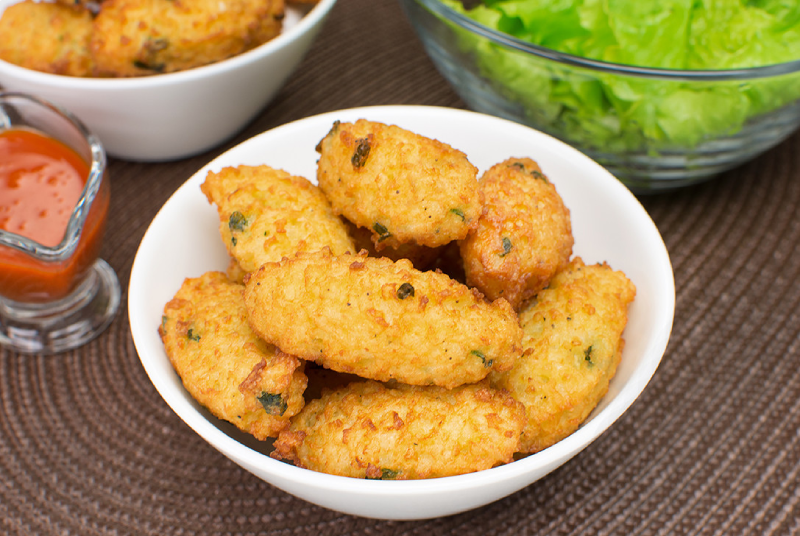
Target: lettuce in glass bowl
[(663, 94)]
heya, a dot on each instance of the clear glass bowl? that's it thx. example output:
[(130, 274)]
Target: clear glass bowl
[(55, 298), (639, 140)]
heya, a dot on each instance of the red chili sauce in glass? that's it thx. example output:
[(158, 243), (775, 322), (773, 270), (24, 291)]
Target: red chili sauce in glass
[(41, 181)]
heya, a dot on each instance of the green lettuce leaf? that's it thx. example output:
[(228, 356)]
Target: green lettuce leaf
[(617, 112)]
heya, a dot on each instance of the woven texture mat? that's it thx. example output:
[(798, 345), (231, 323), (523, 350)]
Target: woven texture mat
[(87, 446)]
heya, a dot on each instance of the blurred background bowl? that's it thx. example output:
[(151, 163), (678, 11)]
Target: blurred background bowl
[(176, 115), (654, 129)]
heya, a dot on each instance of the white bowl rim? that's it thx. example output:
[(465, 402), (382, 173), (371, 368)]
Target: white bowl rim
[(553, 456), (281, 41)]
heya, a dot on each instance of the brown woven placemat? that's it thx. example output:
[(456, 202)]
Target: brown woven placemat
[(712, 446)]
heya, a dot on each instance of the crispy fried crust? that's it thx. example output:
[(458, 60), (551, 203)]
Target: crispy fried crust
[(403, 186), (366, 430), (573, 343), (51, 38), (381, 320), (266, 214), (523, 237), (222, 363), (142, 37)]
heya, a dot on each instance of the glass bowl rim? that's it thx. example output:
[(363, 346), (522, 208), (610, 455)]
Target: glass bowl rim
[(506, 40), (80, 213)]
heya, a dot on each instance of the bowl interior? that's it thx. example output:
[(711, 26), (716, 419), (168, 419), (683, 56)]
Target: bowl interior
[(609, 225)]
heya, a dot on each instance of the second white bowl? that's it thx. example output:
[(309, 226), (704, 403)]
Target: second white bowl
[(176, 115)]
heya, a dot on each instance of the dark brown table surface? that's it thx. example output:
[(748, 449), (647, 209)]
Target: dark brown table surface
[(712, 446)]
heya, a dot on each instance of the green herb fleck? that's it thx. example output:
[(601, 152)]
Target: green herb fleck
[(334, 129), (155, 44), (386, 474), (147, 60), (405, 290), (237, 221), (458, 212), (506, 246), (192, 336), (587, 355), (359, 158), (536, 174), (273, 404), (486, 363), (157, 67), (382, 231)]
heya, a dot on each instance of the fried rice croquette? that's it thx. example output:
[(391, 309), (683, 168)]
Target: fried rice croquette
[(381, 320), (223, 365), (402, 186), (266, 214), (572, 347), (50, 38), (523, 237), (144, 37), (366, 430)]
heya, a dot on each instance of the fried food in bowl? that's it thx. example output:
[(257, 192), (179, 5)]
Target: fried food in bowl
[(266, 214), (146, 37), (404, 187), (121, 38), (435, 432), (63, 49), (225, 366), (418, 328), (572, 345), (608, 225), (523, 236)]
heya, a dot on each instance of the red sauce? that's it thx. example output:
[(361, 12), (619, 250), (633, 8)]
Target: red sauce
[(41, 180)]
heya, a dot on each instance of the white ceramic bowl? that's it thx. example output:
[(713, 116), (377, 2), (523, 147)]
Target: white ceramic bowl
[(608, 223), (175, 115)]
